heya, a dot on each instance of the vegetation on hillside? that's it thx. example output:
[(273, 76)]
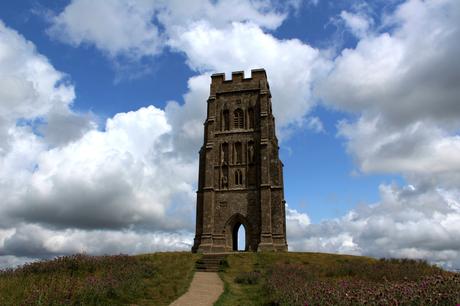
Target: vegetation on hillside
[(327, 279), (250, 279), (155, 279)]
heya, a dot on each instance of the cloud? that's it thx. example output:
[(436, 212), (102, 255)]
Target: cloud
[(117, 178), (359, 24), (187, 119), (88, 187), (289, 63), (407, 222), (65, 126), (69, 185), (131, 29), (208, 33), (296, 224), (315, 124), (118, 28), (29, 86), (29, 241), (382, 75), (403, 86), (176, 15), (422, 151)]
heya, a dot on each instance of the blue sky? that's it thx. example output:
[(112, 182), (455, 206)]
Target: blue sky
[(318, 170), (366, 108)]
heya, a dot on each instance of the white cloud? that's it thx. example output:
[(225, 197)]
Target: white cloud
[(83, 188), (121, 183), (29, 86), (405, 85), (402, 72), (215, 36), (187, 119), (112, 179), (119, 28), (315, 124), (408, 222), (296, 224), (179, 15), (29, 242), (419, 150), (291, 65), (128, 29), (358, 24)]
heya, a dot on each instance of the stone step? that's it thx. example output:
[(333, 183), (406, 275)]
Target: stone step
[(208, 270), (210, 262)]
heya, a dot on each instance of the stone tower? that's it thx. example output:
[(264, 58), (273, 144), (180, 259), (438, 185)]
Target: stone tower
[(240, 176)]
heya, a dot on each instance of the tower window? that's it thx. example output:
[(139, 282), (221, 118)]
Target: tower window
[(225, 120), (238, 153), (251, 152), (251, 118), (238, 177), (224, 153), (238, 119)]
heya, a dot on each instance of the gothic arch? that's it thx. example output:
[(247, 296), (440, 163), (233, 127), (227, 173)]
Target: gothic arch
[(238, 119), (238, 177), (231, 228)]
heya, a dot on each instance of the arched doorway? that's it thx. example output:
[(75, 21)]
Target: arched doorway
[(240, 242), (238, 233)]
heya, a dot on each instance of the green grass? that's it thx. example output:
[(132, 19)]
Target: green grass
[(174, 275), (240, 264), (240, 294), (330, 279), (153, 279), (249, 279)]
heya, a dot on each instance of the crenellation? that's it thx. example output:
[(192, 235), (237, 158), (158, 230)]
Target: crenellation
[(256, 82), (237, 76)]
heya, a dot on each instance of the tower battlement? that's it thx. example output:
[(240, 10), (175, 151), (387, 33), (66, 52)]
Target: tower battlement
[(257, 80), (238, 76)]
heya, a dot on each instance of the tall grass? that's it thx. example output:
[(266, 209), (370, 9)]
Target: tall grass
[(97, 280), (386, 282), (329, 279)]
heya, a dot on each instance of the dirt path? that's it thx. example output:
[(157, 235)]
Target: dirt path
[(205, 289)]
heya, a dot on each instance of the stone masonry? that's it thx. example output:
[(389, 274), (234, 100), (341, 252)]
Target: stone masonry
[(240, 175)]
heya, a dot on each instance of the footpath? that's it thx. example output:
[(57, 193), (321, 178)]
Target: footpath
[(205, 289)]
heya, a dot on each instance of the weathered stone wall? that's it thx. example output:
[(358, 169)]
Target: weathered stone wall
[(240, 175)]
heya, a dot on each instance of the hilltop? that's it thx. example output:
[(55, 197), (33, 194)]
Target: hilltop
[(250, 279)]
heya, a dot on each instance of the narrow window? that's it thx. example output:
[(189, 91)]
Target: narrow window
[(251, 118), (225, 120), (224, 153), (238, 119), (238, 153), (224, 177), (251, 152), (238, 177)]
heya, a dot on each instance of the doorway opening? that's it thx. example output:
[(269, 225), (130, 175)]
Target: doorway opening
[(240, 238)]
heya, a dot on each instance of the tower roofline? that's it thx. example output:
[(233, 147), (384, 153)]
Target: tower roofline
[(238, 76)]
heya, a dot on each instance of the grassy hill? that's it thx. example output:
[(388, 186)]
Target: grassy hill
[(250, 279), (154, 279), (330, 279)]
